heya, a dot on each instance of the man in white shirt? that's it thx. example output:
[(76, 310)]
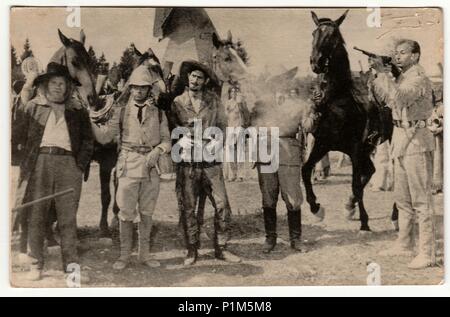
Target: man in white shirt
[(55, 132)]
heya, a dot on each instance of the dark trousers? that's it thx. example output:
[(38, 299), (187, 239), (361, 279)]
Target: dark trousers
[(188, 184), (52, 174), (287, 181)]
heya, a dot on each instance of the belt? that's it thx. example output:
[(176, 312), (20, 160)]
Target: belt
[(410, 124), (54, 150), (198, 164), (137, 148)]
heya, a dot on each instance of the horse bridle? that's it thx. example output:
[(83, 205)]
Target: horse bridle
[(76, 92), (335, 44)]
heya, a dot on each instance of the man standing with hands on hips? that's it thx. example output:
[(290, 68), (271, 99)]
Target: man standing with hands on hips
[(143, 135), (410, 98)]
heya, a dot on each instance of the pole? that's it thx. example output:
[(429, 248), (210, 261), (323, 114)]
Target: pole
[(28, 204)]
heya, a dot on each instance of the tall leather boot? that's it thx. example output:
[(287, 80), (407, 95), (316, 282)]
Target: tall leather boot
[(126, 244), (404, 244), (145, 228), (270, 225), (426, 255), (295, 228), (192, 255)]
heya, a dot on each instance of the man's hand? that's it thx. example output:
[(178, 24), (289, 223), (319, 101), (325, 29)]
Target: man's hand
[(376, 63), (185, 142), (317, 96), (30, 77), (152, 158)]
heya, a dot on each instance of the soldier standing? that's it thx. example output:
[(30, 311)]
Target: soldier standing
[(143, 135), (288, 176), (410, 98)]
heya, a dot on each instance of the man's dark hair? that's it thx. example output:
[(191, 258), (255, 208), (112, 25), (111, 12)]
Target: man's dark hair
[(415, 47), (198, 70)]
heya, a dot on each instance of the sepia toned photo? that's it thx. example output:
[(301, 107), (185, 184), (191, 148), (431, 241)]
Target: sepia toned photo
[(199, 147)]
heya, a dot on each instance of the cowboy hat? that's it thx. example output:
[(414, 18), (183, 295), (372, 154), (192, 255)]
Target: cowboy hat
[(55, 69), (189, 66)]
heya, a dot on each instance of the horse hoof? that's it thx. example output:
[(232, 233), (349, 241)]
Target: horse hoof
[(349, 213), (104, 233), (364, 233), (320, 214)]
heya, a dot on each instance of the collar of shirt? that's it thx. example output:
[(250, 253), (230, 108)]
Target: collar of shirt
[(134, 107), (414, 68), (195, 95)]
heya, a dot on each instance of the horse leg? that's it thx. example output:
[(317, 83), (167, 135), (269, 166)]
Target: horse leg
[(367, 171), (116, 208), (315, 156), (362, 171), (394, 217), (105, 179), (114, 228)]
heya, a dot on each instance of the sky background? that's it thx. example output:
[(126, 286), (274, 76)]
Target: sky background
[(273, 37)]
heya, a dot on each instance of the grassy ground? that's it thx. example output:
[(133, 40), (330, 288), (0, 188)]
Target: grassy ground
[(337, 255)]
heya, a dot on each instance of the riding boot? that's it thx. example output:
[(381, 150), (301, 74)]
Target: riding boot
[(426, 255), (295, 228), (126, 244), (114, 230), (192, 255), (270, 225), (404, 244), (145, 228)]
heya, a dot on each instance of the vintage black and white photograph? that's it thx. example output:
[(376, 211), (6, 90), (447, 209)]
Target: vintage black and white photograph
[(201, 146)]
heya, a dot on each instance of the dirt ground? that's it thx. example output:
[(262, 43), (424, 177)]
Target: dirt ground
[(337, 254)]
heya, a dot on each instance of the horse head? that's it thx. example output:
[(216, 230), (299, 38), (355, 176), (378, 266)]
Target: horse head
[(73, 54), (228, 64), (326, 39)]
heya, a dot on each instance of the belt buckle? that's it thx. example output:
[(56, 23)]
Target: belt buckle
[(421, 124), (404, 124), (51, 150)]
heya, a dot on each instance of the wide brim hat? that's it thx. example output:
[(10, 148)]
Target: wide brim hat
[(141, 76), (189, 66), (55, 69)]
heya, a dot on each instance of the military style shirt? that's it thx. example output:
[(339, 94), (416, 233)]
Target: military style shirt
[(410, 99)]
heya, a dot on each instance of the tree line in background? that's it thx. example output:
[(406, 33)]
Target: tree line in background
[(100, 66)]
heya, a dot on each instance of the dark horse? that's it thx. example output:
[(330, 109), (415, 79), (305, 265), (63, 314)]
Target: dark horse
[(344, 123)]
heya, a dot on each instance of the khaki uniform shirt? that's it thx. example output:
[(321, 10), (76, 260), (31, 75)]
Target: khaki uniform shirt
[(410, 99)]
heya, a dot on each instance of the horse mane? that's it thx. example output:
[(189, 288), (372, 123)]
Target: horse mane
[(342, 79)]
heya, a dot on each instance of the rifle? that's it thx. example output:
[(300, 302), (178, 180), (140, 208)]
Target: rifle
[(387, 60)]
